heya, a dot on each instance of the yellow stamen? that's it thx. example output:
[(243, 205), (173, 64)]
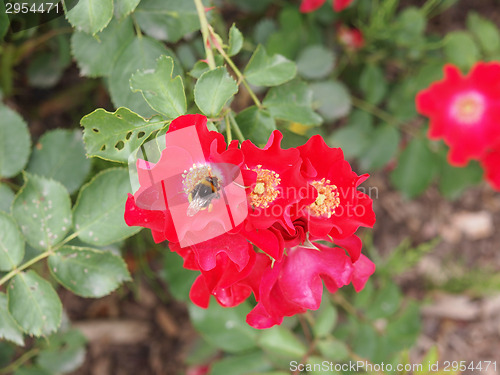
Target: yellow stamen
[(327, 201), (265, 190)]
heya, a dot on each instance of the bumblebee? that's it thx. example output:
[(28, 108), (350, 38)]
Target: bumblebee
[(200, 198)]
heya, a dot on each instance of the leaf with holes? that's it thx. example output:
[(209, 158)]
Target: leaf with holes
[(90, 16), (162, 92), (213, 90), (43, 210), (9, 330), (14, 142), (34, 304), (265, 70), (100, 207), (88, 272), (60, 154), (11, 243), (113, 136)]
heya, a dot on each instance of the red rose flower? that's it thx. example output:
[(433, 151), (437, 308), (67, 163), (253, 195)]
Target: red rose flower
[(311, 5), (295, 285), (351, 38), (279, 188), (170, 201), (339, 208), (464, 111), (491, 166)]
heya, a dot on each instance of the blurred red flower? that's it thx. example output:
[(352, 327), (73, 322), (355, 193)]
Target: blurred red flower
[(351, 38), (311, 5), (464, 111)]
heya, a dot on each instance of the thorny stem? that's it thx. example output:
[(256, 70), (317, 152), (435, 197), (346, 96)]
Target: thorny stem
[(19, 362), (204, 32), (241, 77)]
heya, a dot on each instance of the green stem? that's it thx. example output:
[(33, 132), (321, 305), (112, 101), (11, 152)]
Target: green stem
[(204, 32), (19, 362), (236, 71), (15, 271), (236, 128), (137, 27), (228, 129), (374, 110), (36, 259)]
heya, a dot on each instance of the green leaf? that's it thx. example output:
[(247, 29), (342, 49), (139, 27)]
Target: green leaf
[(264, 70), (90, 16), (9, 330), (96, 55), (385, 303), (292, 102), (6, 197), (14, 142), (412, 23), (141, 53), (167, 20), (213, 90), (383, 146), (281, 342), (123, 8), (373, 84), (235, 41), (256, 124), (100, 207), (60, 155), (241, 364), (415, 169), (334, 350), (485, 31), (326, 319), (164, 94), (45, 70), (34, 304), (114, 136), (454, 180), (88, 272), (355, 136), (332, 99), (11, 243), (460, 49), (65, 352), (315, 62), (223, 327), (43, 210)]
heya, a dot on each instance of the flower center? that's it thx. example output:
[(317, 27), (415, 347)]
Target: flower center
[(195, 175), (327, 201), (265, 190), (468, 108)]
